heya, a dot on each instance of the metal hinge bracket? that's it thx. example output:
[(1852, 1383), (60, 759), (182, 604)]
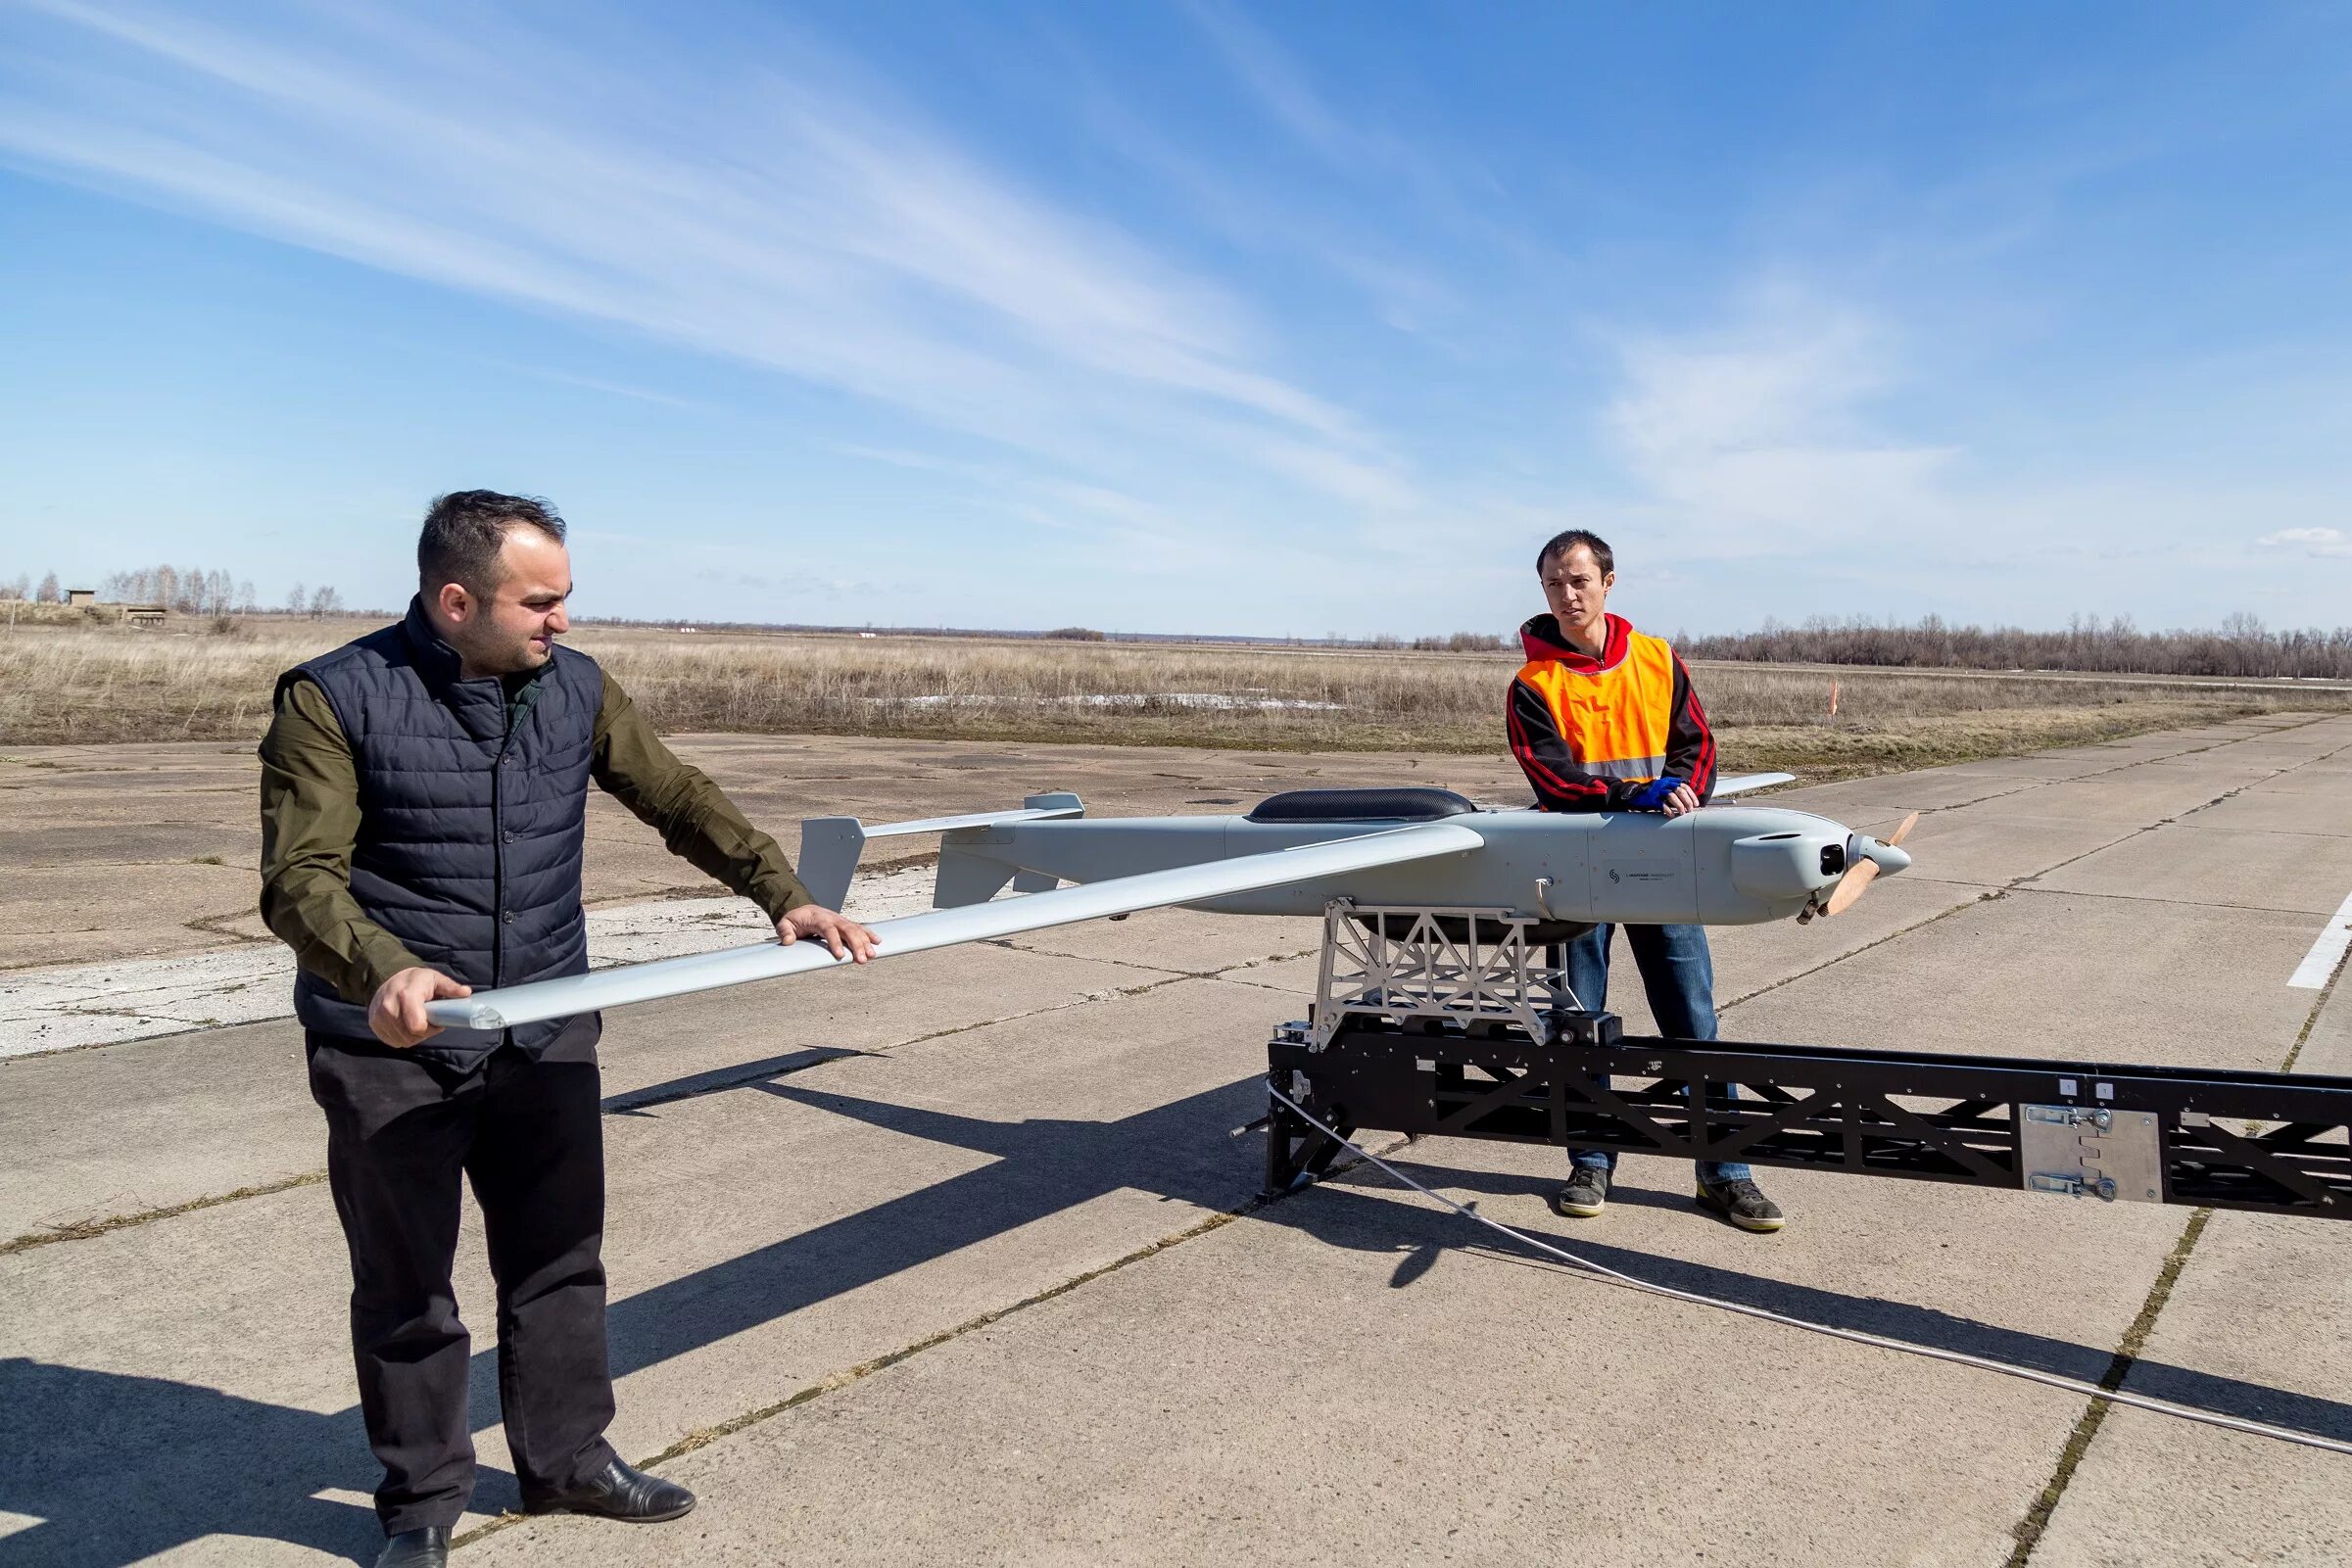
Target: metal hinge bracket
[(2081, 1153)]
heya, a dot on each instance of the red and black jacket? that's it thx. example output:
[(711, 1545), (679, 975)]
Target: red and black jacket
[(1588, 733)]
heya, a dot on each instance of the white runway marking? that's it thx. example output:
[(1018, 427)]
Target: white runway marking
[(137, 999), (2319, 965)]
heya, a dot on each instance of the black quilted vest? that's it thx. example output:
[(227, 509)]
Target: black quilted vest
[(470, 839)]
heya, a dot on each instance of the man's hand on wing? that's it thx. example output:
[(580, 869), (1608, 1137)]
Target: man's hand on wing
[(1680, 799), (397, 1011), (838, 931)]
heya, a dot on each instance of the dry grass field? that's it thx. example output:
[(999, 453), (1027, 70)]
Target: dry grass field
[(104, 684)]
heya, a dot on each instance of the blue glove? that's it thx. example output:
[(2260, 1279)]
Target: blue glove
[(1652, 796)]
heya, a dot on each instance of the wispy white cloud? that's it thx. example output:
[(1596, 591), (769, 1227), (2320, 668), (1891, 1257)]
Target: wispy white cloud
[(1281, 90), (794, 588), (1249, 209), (2324, 544), (786, 212), (1106, 516), (612, 389), (1771, 442), (1763, 424)]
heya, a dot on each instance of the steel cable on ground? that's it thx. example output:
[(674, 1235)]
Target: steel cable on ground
[(1983, 1363)]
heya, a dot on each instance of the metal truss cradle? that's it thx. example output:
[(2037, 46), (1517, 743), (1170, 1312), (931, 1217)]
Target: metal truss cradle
[(1459, 965), (1426, 1025)]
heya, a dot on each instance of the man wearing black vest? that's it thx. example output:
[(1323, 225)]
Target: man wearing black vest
[(424, 813)]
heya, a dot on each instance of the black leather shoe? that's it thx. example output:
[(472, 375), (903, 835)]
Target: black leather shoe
[(428, 1547), (619, 1492)]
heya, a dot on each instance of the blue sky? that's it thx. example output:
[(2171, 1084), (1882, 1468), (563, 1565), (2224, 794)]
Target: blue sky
[(1196, 316)]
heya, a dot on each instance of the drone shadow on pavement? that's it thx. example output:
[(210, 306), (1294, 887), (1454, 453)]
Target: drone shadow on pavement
[(117, 1468), (1359, 1210)]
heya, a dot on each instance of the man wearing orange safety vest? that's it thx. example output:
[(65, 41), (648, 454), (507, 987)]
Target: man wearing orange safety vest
[(1604, 719)]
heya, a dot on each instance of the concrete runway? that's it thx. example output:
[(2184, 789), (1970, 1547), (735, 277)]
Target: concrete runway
[(957, 1261)]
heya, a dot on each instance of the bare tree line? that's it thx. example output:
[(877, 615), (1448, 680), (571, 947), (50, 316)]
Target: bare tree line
[(2243, 646), (19, 587), (320, 601), (1452, 643), (188, 591)]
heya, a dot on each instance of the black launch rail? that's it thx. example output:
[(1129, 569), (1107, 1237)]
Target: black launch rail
[(2266, 1142)]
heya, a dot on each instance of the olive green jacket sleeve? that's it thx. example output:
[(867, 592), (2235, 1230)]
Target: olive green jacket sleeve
[(693, 815), (311, 823)]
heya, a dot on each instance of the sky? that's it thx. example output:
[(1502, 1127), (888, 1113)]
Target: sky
[(1195, 316)]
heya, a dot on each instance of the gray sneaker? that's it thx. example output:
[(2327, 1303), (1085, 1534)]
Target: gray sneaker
[(1586, 1194), (1743, 1203)]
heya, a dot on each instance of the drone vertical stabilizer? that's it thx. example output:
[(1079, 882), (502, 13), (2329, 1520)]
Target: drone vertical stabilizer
[(830, 847)]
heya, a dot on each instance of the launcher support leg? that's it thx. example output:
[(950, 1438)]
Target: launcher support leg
[(1297, 1153)]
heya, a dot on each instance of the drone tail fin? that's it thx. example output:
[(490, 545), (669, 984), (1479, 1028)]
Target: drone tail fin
[(967, 877), (830, 847)]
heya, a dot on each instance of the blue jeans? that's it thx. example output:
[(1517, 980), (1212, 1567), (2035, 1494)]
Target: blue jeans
[(1678, 975)]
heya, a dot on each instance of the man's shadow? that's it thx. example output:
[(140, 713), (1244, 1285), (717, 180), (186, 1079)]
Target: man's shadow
[(118, 1468)]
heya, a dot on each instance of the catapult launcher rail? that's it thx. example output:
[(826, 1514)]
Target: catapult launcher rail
[(1460, 1024)]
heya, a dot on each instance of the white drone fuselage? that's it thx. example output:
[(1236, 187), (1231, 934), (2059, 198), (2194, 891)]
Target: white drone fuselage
[(1295, 854), (1722, 866)]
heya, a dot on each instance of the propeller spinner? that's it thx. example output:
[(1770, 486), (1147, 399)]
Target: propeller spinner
[(1865, 858)]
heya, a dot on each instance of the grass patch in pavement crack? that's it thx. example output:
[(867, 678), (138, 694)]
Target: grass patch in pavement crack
[(2303, 1035), (2028, 1532), (90, 1229)]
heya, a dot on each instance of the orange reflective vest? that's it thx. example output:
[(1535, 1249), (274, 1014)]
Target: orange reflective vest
[(1589, 731)]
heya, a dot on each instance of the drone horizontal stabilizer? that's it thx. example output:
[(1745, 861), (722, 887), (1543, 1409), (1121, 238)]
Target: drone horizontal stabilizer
[(945, 928)]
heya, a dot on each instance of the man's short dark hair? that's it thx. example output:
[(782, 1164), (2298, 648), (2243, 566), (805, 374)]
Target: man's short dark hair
[(465, 529), (1564, 542)]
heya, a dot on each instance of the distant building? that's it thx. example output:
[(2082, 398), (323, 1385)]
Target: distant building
[(81, 596)]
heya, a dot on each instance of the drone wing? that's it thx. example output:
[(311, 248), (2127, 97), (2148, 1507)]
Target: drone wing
[(945, 928)]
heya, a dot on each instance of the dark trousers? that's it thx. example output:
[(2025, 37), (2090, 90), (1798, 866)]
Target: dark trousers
[(530, 1137)]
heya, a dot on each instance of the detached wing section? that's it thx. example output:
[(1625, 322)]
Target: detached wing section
[(944, 928)]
